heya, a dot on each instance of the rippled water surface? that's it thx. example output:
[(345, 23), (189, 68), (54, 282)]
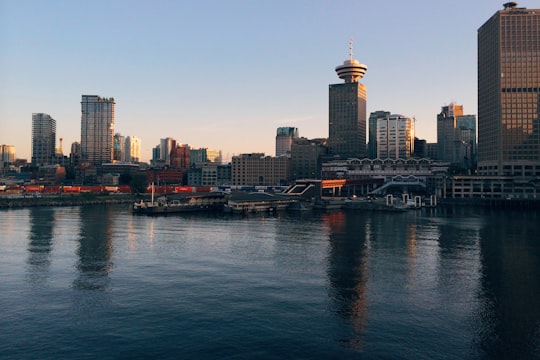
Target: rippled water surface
[(98, 282)]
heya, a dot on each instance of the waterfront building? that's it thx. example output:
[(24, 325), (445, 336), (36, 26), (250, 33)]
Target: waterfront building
[(491, 187), (509, 92), (97, 129), (306, 158), (256, 169), (284, 140), (203, 174), (395, 137), (456, 136), (132, 149), (372, 131), (43, 139), (347, 111), (383, 176)]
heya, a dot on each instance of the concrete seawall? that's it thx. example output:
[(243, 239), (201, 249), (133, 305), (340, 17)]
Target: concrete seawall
[(72, 200)]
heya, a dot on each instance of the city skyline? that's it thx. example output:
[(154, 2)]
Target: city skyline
[(229, 79)]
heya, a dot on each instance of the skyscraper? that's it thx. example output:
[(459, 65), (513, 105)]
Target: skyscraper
[(456, 136), (132, 149), (43, 139), (165, 146), (372, 131), (509, 92), (284, 140), (97, 129), (347, 111)]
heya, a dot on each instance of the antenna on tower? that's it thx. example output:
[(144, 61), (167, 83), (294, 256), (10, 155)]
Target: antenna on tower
[(350, 49)]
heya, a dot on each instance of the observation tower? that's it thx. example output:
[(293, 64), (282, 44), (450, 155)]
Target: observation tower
[(351, 70)]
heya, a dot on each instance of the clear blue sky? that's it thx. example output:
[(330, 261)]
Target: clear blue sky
[(225, 74)]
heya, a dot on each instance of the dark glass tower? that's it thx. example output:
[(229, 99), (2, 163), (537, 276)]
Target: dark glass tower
[(509, 93), (347, 111)]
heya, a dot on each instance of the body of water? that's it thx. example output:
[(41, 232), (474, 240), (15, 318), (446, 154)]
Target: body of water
[(96, 282)]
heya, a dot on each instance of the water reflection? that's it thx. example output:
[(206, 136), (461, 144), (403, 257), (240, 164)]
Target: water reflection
[(509, 315), (348, 272), (95, 248), (40, 243)]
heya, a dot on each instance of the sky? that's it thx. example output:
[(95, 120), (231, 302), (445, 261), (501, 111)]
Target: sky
[(225, 74)]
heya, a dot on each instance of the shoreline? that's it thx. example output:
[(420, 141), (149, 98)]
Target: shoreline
[(65, 200), (94, 199)]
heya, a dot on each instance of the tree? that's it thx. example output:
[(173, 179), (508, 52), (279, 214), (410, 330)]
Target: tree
[(138, 183)]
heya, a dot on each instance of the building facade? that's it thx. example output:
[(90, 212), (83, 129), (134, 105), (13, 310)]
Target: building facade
[(306, 158), (97, 129), (456, 137), (43, 139), (347, 111), (205, 155), (119, 147), (395, 137), (132, 149), (509, 92), (7, 155), (284, 140), (165, 147), (372, 131), (256, 169)]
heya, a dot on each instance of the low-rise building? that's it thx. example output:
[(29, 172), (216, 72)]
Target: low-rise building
[(257, 169)]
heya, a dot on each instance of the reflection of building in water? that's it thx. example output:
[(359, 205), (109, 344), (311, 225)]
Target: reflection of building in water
[(40, 241), (509, 312), (348, 271), (95, 247)]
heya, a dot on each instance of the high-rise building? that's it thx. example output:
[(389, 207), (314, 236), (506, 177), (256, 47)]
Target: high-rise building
[(347, 111), (43, 139), (75, 154), (509, 92), (372, 130), (97, 129), (395, 137), (165, 147), (456, 136), (119, 147), (132, 149), (284, 139)]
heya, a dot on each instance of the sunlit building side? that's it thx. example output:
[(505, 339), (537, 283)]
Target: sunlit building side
[(97, 129), (509, 93)]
